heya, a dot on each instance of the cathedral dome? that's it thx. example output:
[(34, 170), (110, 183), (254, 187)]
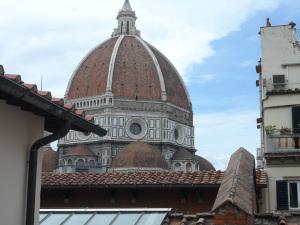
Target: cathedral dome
[(139, 155), (128, 67), (202, 163), (50, 159), (79, 150)]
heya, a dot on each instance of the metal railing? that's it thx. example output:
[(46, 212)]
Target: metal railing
[(281, 143)]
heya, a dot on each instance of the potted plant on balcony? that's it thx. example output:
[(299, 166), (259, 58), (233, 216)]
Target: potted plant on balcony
[(285, 131), (270, 129)]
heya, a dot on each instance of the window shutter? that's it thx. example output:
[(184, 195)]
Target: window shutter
[(296, 119), (282, 195)]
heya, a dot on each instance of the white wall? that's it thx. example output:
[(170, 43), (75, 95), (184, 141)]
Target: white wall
[(280, 117), (282, 100), (274, 174), (279, 49), (19, 130)]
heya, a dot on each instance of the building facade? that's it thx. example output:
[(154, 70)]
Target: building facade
[(136, 94), (279, 85), (26, 113)]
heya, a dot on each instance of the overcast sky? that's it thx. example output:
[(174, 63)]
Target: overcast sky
[(214, 44)]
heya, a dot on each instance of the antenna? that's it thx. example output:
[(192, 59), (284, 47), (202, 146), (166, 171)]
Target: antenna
[(41, 82)]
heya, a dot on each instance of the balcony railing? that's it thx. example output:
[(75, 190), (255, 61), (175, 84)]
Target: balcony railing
[(283, 143)]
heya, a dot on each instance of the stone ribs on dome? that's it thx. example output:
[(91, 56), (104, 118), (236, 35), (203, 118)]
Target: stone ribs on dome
[(126, 79), (125, 66), (135, 75)]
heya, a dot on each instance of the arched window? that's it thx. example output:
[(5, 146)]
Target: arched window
[(70, 163), (177, 166), (127, 28), (92, 164), (122, 28), (80, 163), (188, 167), (62, 163)]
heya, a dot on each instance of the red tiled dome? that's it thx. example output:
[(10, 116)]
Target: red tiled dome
[(139, 155), (130, 68), (79, 150), (183, 154), (50, 160)]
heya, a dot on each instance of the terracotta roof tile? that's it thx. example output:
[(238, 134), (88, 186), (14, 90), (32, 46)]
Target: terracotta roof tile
[(79, 150), (139, 155), (160, 178), (175, 90), (13, 77), (45, 94), (50, 159), (183, 154), (131, 178), (69, 106), (90, 77), (135, 74), (238, 186), (32, 87), (80, 112), (58, 101)]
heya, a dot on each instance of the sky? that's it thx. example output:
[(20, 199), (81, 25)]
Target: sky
[(214, 44)]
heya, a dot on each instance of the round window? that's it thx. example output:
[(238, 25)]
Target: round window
[(135, 128), (178, 134)]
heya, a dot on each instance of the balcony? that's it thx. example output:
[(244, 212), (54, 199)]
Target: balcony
[(283, 143)]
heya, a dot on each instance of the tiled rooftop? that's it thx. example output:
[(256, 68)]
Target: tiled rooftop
[(79, 150), (45, 94), (27, 96), (237, 186), (201, 178)]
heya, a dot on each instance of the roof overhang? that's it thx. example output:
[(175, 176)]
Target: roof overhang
[(15, 93)]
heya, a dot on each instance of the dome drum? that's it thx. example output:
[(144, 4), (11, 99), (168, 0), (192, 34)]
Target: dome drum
[(136, 128), (137, 95)]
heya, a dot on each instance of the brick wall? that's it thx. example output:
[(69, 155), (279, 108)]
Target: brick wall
[(230, 215), (180, 200)]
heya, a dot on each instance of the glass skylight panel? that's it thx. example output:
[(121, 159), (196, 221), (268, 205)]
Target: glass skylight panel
[(42, 216), (152, 218), (54, 219), (78, 219), (103, 219), (133, 217), (127, 219)]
